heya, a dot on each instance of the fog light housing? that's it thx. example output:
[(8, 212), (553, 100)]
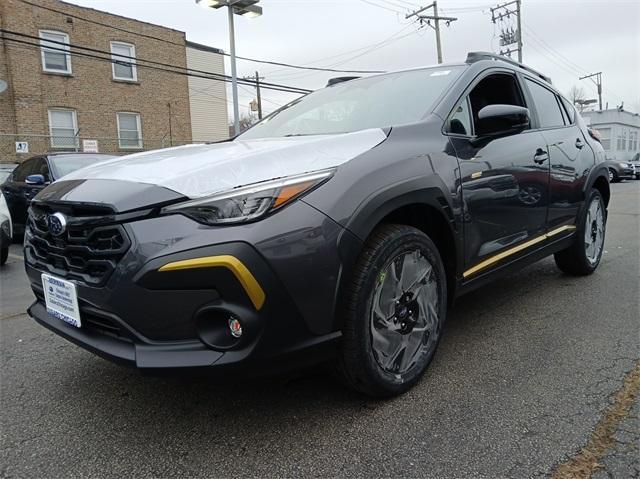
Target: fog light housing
[(235, 327)]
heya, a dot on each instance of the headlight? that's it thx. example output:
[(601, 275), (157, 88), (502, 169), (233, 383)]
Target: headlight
[(624, 165), (250, 202)]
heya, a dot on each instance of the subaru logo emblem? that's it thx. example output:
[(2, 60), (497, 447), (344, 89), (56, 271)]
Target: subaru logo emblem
[(57, 224)]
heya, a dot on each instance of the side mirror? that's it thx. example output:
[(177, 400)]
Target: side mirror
[(497, 120), (35, 180)]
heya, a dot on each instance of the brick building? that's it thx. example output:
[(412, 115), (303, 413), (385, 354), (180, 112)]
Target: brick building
[(60, 98)]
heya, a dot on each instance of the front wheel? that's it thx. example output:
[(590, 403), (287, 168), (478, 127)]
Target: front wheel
[(395, 309), (613, 176), (583, 256)]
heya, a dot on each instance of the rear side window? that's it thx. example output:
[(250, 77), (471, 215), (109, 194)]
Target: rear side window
[(549, 113), (571, 111)]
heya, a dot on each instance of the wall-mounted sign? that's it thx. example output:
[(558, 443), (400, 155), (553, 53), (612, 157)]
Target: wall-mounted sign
[(22, 147), (90, 146)]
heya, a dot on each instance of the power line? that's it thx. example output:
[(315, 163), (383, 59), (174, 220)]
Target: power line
[(369, 47), (367, 50), (109, 60), (66, 46), (369, 2), (152, 37)]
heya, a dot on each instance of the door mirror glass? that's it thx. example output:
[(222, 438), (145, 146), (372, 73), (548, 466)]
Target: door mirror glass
[(35, 180), (499, 119)]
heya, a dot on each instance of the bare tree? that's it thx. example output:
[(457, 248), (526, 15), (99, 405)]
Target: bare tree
[(577, 96), (245, 122)]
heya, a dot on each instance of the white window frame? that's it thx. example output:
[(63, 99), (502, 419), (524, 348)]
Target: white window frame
[(74, 118), (66, 47), (138, 125), (116, 57)]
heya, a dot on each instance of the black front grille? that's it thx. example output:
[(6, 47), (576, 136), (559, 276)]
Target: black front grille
[(85, 252)]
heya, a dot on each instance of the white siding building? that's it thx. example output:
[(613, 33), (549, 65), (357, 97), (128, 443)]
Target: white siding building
[(620, 131), (207, 98)]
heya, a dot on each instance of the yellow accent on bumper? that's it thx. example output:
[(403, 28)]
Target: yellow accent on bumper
[(494, 259), (233, 264)]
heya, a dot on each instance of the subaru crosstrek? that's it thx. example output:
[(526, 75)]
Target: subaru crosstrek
[(340, 228)]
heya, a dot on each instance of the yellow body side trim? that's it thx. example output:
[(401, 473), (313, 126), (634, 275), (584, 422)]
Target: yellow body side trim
[(494, 259), (233, 264)]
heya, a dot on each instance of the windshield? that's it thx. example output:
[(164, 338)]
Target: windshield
[(63, 165), (374, 102)]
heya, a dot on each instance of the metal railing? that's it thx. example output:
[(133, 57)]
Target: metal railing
[(19, 147)]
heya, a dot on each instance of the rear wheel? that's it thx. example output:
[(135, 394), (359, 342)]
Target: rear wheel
[(583, 256), (395, 310)]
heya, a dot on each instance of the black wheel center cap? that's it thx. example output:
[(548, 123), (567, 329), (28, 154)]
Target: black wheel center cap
[(406, 313)]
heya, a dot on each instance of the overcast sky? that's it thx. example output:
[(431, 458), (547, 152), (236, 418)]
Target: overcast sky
[(563, 39)]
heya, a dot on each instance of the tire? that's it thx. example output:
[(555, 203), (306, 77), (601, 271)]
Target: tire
[(577, 259), (4, 254), (361, 359), (613, 176)]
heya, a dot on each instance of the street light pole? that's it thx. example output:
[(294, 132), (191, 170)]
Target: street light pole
[(234, 78), (246, 8)]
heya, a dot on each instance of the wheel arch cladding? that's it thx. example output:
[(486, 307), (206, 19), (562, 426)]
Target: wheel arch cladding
[(602, 185), (426, 210), (435, 224)]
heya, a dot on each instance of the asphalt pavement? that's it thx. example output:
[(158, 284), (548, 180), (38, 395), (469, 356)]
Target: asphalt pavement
[(530, 370)]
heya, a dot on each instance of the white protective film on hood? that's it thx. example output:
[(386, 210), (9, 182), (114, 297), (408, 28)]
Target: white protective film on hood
[(201, 170)]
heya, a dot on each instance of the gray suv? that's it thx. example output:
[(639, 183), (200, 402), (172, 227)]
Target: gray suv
[(339, 229)]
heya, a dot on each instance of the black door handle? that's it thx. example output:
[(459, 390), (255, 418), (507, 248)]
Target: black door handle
[(579, 143), (541, 156)]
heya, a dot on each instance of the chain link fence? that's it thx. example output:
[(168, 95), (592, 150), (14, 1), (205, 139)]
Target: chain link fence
[(17, 148)]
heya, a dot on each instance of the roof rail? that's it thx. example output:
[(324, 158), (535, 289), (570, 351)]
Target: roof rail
[(473, 57)]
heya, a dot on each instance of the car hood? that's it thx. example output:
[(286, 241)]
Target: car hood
[(204, 169)]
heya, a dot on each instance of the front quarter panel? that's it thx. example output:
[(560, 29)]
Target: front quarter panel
[(415, 166)]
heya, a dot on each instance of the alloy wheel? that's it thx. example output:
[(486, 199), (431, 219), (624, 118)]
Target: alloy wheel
[(404, 317), (594, 231)]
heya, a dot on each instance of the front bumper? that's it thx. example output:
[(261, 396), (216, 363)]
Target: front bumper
[(152, 317)]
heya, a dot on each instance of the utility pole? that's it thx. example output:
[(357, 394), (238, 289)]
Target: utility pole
[(508, 35), (234, 77), (257, 79), (436, 20), (598, 82)]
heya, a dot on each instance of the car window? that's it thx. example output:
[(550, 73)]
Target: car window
[(460, 120), (22, 171), (377, 101), (495, 89), (546, 103), (64, 164), (569, 108), (41, 168)]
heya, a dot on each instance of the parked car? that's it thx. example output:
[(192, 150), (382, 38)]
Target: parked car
[(620, 170), (6, 230), (340, 228), (5, 170), (32, 175)]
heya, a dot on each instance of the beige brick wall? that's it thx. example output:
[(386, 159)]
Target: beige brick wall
[(90, 89)]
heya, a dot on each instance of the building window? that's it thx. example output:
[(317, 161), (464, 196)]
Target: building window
[(129, 130), (124, 63), (633, 140), (605, 137), (621, 139), (55, 56), (63, 128)]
